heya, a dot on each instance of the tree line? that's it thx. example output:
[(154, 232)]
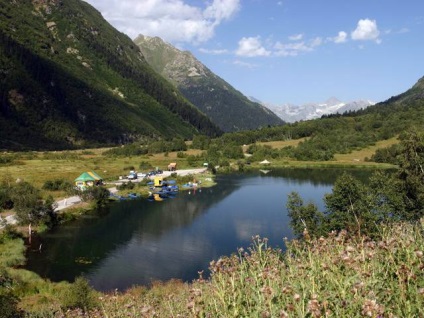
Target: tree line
[(361, 208)]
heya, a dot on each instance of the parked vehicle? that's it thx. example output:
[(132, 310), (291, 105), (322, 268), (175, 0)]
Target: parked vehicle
[(132, 175)]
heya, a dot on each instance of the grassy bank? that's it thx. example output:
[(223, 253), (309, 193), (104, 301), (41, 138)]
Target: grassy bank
[(338, 276)]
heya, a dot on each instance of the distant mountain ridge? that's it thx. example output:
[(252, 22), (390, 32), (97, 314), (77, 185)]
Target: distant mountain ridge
[(227, 107), (69, 79), (291, 113)]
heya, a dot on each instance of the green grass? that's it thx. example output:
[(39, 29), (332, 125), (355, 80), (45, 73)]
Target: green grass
[(12, 253), (359, 156), (282, 143), (38, 170)]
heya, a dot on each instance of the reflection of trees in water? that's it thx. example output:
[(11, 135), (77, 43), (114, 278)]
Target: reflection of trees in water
[(80, 246), (323, 176)]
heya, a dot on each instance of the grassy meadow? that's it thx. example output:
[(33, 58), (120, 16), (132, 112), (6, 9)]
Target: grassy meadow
[(355, 159), (39, 167)]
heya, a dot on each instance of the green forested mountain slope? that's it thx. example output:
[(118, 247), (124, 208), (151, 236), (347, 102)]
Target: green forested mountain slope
[(227, 107), (337, 133), (69, 79)]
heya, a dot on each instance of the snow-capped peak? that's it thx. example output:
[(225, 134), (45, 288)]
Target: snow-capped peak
[(291, 113)]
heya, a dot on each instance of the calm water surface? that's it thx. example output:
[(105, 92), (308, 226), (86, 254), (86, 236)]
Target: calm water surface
[(135, 242)]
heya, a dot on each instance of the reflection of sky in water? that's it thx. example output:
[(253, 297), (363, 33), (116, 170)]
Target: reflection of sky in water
[(141, 241), (147, 259)]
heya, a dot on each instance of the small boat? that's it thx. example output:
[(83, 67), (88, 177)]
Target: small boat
[(133, 195), (170, 182), (156, 197), (170, 188), (190, 185)]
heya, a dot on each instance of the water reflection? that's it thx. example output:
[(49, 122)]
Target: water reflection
[(134, 242)]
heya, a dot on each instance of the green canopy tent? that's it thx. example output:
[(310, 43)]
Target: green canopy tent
[(88, 179)]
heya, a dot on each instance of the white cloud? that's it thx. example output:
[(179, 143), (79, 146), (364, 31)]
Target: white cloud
[(213, 52), (294, 49), (366, 30), (403, 30), (221, 10), (245, 64), (251, 47), (340, 38), (296, 37), (172, 20), (316, 42)]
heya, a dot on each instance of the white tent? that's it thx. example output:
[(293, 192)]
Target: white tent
[(265, 162)]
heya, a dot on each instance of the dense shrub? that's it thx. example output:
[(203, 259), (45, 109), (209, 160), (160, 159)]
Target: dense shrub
[(126, 151), (65, 155), (192, 161), (99, 195), (201, 142), (80, 295), (144, 165), (9, 305), (177, 144), (387, 155), (361, 208), (8, 300), (126, 186), (57, 184), (6, 202), (6, 159), (30, 207), (181, 154)]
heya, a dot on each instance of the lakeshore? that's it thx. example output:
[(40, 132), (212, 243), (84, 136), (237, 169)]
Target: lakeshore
[(74, 201)]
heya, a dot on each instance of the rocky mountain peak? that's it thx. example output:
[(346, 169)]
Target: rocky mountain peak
[(332, 101), (292, 113), (228, 108)]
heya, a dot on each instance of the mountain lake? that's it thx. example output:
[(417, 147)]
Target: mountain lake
[(135, 242)]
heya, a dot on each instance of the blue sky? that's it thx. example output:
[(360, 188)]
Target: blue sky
[(290, 51)]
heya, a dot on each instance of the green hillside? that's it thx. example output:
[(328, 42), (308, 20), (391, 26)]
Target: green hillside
[(410, 100), (227, 107), (69, 79), (340, 133)]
